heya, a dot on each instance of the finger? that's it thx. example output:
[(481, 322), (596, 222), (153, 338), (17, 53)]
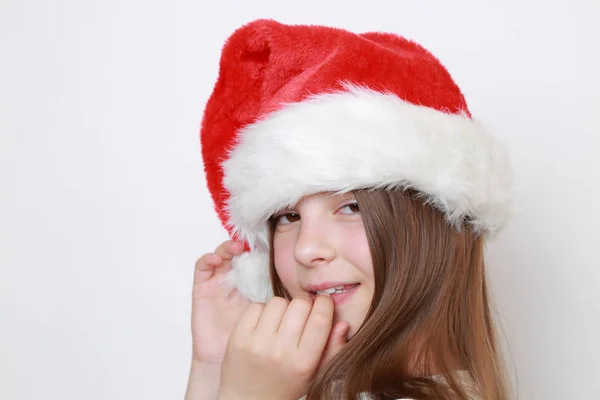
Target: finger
[(317, 329), (249, 319), (337, 340), (272, 315), (229, 249), (293, 322), (205, 266)]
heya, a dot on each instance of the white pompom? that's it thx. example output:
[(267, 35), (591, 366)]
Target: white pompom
[(250, 275)]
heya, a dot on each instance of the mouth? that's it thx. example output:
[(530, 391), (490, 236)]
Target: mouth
[(338, 293)]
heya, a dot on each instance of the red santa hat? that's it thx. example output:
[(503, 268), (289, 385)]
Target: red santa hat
[(301, 109)]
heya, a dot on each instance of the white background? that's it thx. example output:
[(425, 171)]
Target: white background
[(104, 209)]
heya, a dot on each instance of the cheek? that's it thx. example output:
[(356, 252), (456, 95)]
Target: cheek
[(358, 252), (283, 257)]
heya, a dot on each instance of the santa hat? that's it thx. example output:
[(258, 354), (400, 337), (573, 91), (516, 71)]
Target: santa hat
[(303, 109)]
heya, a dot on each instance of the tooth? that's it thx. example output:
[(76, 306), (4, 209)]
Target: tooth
[(330, 291)]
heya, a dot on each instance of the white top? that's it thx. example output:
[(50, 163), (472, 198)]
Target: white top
[(463, 375)]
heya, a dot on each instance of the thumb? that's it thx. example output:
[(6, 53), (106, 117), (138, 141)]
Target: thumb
[(337, 340)]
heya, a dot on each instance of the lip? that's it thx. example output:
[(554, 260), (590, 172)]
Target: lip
[(339, 298), (322, 286)]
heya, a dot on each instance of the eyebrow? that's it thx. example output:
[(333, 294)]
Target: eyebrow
[(330, 195)]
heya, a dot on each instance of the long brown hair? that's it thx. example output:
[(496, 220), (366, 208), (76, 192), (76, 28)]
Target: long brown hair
[(430, 313)]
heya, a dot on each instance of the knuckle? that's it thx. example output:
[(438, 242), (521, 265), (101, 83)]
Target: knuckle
[(221, 247), (303, 367), (302, 302), (207, 260), (201, 261), (275, 357), (260, 350), (321, 319), (255, 349)]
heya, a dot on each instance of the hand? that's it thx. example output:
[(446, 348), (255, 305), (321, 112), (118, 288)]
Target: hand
[(215, 309), (277, 348)]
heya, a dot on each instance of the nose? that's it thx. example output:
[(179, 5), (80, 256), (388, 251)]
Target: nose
[(314, 245)]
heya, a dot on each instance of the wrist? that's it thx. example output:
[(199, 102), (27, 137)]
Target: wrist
[(204, 381), (206, 368)]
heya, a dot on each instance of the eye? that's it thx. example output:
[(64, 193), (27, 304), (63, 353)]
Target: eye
[(351, 208), (287, 218)]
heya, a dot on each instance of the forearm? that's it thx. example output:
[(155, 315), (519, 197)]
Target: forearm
[(203, 382)]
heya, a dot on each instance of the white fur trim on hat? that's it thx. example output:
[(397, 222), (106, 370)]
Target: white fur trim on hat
[(362, 138), (250, 275)]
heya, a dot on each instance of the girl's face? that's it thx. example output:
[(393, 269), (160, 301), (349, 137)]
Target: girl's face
[(320, 244)]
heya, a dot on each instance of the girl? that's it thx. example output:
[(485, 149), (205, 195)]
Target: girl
[(360, 193)]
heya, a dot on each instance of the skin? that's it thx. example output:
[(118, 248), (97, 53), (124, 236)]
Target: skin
[(215, 312), (246, 350), (276, 349), (322, 239)]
